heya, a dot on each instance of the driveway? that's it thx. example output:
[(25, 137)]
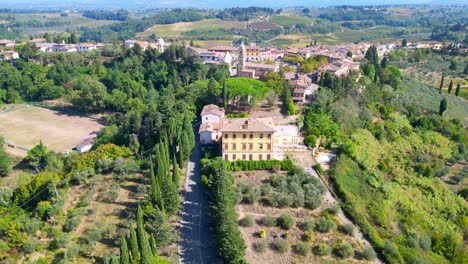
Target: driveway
[(195, 245)]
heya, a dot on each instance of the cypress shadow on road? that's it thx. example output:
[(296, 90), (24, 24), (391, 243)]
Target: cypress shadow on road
[(195, 245)]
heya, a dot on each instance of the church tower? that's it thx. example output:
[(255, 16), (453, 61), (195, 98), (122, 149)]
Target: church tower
[(240, 64)]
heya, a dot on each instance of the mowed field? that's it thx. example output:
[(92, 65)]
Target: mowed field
[(59, 131), (173, 30)]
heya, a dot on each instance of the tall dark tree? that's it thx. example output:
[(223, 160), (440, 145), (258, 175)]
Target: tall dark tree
[(143, 242), (457, 91), (134, 248), (404, 43), (154, 247), (124, 254), (450, 87), (441, 84), (442, 106), (225, 94)]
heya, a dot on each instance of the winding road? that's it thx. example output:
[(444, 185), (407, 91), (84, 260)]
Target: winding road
[(195, 245)]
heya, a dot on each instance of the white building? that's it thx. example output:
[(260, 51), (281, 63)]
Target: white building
[(7, 43), (87, 47), (212, 114), (64, 48), (85, 145), (209, 133)]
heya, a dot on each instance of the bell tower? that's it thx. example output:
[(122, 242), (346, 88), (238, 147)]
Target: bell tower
[(240, 64)]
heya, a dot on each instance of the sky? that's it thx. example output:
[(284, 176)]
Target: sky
[(142, 4)]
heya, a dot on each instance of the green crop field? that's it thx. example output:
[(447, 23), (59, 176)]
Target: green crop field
[(288, 21), (172, 30), (375, 33)]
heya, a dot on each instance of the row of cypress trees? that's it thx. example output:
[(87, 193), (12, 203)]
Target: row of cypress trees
[(140, 248)]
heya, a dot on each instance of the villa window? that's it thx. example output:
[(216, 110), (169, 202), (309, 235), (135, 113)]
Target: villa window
[(234, 136), (226, 135), (261, 136), (260, 146)]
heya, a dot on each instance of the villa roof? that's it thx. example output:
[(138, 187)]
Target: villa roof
[(212, 109), (209, 127), (247, 125)]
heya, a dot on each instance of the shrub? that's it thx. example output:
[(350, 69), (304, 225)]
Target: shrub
[(72, 223), (268, 220), (32, 245), (72, 251), (368, 254), (6, 196), (425, 242), (343, 250), (60, 241), (322, 250), (262, 233), (280, 245), (260, 247), (302, 248), (247, 221), (308, 236), (251, 194), (348, 229), (325, 225), (308, 225), (285, 221), (318, 168), (334, 209)]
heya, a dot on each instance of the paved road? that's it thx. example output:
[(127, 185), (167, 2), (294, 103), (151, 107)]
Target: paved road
[(195, 245)]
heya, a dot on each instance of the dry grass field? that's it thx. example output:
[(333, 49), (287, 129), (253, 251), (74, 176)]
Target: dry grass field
[(172, 30), (60, 131)]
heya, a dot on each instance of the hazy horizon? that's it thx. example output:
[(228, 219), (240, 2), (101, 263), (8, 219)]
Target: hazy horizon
[(139, 4)]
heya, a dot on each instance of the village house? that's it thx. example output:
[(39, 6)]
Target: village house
[(9, 55), (7, 43), (247, 138), (87, 47), (159, 45), (253, 70), (64, 48)]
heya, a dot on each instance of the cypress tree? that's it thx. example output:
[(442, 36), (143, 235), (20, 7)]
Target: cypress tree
[(450, 87), (134, 246), (181, 152), (115, 259), (175, 171), (441, 84), (457, 91), (442, 106), (170, 196), (143, 243), (154, 246), (124, 255), (225, 95), (156, 196)]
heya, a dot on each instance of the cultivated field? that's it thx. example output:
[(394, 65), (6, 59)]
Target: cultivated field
[(60, 131), (172, 30), (288, 21)]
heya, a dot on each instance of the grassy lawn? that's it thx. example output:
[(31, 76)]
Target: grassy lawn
[(172, 30), (288, 21)]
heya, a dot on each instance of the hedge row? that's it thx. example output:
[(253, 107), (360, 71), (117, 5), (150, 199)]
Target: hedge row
[(250, 165)]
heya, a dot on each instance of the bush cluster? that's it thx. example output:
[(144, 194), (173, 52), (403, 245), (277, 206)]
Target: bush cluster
[(249, 165)]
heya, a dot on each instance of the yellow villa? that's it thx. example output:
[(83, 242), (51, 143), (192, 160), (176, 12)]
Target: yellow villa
[(247, 138)]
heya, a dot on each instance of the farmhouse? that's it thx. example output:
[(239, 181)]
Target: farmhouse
[(9, 55), (209, 133), (64, 48), (7, 43)]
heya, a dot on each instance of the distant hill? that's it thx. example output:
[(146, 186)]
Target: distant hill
[(138, 4)]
